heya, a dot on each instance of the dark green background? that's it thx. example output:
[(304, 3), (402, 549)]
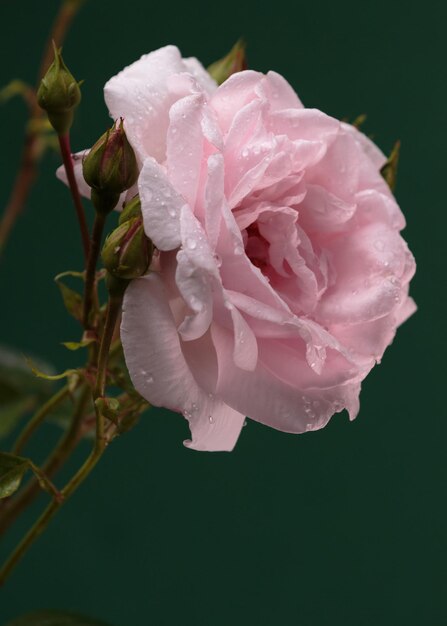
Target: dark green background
[(342, 527)]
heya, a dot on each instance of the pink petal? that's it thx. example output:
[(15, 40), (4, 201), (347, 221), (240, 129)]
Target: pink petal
[(265, 398), (142, 94), (160, 372), (185, 146), (161, 206), (214, 198), (78, 157), (308, 124), (194, 67), (369, 148), (278, 92), (233, 95), (322, 211), (196, 276)]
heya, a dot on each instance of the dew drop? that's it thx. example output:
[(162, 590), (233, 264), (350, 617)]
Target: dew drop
[(191, 243), (211, 419), (379, 244)]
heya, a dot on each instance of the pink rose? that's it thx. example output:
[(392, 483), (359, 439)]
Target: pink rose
[(281, 275)]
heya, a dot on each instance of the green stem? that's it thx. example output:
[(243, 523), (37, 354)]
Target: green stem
[(95, 246), (51, 510), (38, 418), (113, 310)]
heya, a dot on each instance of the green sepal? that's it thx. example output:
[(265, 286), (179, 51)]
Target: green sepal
[(359, 120), (389, 170), (233, 62), (54, 618)]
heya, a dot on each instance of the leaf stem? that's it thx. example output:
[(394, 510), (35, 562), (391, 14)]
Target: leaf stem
[(64, 143)]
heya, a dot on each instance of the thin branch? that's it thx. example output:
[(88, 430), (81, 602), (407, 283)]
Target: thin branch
[(30, 154)]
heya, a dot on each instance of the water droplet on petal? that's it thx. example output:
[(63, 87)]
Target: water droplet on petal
[(191, 243)]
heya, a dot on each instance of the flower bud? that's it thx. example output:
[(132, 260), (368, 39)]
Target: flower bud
[(127, 252), (110, 168), (59, 94), (234, 61)]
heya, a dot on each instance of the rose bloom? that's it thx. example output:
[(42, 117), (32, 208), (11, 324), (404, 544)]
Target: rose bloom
[(280, 276)]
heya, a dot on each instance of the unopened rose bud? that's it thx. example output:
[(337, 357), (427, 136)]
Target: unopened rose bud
[(127, 252), (234, 61), (110, 168), (59, 94)]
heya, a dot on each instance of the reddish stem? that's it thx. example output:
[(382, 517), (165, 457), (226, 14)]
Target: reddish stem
[(64, 143)]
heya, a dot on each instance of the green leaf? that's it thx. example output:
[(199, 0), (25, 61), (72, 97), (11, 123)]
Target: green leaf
[(72, 299), (54, 618), (12, 470), (75, 345)]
